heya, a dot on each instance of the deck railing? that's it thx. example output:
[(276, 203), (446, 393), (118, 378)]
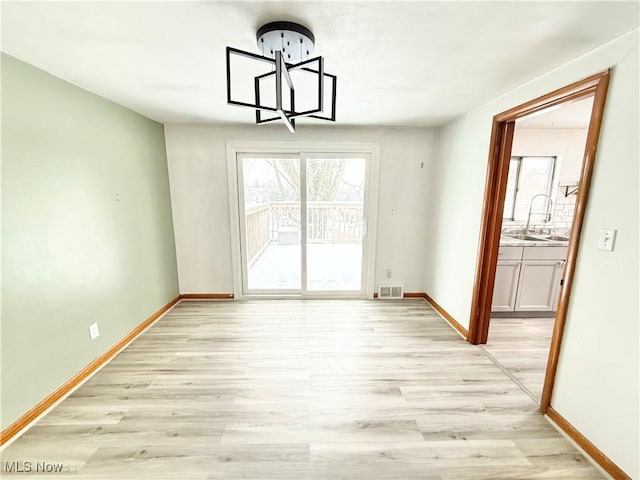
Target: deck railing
[(257, 228), (327, 222)]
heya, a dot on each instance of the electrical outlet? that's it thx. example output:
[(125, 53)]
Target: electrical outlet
[(388, 273), (93, 331)]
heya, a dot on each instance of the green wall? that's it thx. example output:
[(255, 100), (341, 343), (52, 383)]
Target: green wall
[(87, 233)]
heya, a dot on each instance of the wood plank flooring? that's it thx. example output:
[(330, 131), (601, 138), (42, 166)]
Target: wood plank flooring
[(521, 346), (292, 389)]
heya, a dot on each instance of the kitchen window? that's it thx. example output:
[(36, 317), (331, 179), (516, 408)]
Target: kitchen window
[(528, 176)]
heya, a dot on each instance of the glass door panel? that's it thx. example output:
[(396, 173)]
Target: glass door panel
[(270, 223), (335, 192)]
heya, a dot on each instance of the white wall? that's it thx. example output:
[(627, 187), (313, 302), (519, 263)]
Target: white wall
[(567, 143), (599, 361), (198, 178), (597, 381)]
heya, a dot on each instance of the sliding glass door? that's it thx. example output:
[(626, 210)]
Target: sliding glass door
[(270, 223), (335, 225), (302, 223)]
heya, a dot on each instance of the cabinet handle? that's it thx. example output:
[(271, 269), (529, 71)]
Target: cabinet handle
[(561, 263)]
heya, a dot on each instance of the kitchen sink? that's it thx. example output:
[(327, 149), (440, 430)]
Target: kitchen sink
[(536, 238), (522, 236), (558, 238)]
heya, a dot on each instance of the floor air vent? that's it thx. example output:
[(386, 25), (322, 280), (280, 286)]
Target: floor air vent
[(390, 292)]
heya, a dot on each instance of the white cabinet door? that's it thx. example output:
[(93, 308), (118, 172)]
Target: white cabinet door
[(538, 286), (505, 286)]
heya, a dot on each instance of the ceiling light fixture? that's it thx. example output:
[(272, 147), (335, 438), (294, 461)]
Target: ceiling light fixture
[(285, 48)]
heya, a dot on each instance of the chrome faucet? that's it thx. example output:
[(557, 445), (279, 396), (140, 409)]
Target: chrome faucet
[(547, 214)]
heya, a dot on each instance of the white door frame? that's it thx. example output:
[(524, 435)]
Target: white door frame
[(371, 202)]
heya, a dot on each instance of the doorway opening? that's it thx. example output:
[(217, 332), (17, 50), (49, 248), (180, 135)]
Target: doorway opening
[(513, 277), (540, 199)]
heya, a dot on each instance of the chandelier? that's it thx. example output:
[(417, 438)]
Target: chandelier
[(286, 82)]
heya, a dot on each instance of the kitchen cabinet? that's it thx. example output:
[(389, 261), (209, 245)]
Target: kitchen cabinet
[(530, 283), (506, 286), (538, 285), (506, 283)]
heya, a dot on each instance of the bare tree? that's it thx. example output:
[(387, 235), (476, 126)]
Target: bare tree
[(323, 178)]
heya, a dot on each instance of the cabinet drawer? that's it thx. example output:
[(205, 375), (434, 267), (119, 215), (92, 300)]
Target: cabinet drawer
[(510, 253), (544, 253)]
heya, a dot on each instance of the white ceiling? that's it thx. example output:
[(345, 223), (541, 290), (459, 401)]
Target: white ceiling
[(398, 63), (567, 115)]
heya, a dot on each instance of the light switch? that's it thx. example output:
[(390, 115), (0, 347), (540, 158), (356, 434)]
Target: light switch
[(607, 238)]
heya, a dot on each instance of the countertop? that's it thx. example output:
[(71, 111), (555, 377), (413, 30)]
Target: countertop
[(513, 242)]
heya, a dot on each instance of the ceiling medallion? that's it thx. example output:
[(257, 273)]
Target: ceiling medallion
[(284, 49)]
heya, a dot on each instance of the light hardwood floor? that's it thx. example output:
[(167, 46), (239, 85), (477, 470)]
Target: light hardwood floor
[(521, 347), (300, 390)]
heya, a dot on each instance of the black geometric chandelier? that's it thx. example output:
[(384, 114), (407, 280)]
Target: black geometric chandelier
[(285, 48)]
